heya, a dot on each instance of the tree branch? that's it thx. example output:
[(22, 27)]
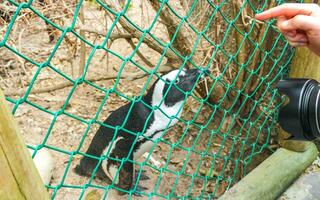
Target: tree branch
[(127, 37), (131, 76), (181, 42), (144, 59), (82, 62), (113, 36), (148, 40)]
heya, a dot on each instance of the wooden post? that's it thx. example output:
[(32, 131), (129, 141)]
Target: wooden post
[(19, 178), (272, 177)]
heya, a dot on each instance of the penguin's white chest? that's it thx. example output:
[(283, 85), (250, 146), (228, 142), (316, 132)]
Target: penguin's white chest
[(145, 147), (164, 118)]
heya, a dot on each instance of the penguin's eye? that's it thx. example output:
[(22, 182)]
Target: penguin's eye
[(177, 80)]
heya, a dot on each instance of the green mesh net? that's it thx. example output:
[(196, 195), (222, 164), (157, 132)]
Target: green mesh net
[(75, 70)]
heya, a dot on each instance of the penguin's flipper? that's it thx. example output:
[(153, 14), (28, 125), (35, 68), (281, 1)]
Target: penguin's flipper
[(87, 163), (124, 180)]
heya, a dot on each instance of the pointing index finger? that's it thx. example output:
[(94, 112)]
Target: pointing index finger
[(289, 10)]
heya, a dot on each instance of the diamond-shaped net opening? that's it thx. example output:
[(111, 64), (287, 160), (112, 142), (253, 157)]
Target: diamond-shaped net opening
[(67, 65)]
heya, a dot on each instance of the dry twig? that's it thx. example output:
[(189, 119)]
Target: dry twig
[(148, 40), (131, 76), (82, 44)]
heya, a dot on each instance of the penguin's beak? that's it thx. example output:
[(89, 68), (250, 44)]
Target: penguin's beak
[(194, 73), (205, 73)]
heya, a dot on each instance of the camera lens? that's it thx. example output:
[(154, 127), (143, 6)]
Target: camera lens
[(300, 117)]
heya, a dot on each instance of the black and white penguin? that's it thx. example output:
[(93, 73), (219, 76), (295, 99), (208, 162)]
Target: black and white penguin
[(158, 110)]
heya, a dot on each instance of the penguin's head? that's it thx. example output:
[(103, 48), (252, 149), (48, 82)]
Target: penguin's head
[(174, 86)]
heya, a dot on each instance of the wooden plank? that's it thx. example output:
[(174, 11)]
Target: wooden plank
[(18, 158), (305, 64), (9, 188), (271, 178)]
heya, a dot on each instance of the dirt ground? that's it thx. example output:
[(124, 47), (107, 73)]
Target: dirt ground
[(182, 172)]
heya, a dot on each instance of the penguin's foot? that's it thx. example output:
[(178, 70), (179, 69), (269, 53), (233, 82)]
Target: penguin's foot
[(102, 177), (139, 189), (142, 176)]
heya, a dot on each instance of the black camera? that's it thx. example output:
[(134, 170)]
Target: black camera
[(300, 116)]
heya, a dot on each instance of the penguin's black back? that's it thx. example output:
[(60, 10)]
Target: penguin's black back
[(135, 120)]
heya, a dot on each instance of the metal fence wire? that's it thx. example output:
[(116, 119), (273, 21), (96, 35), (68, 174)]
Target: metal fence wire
[(227, 121)]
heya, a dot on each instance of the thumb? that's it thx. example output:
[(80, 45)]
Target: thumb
[(299, 22)]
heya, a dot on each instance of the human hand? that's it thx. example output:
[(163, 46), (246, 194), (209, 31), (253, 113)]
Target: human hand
[(299, 23)]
